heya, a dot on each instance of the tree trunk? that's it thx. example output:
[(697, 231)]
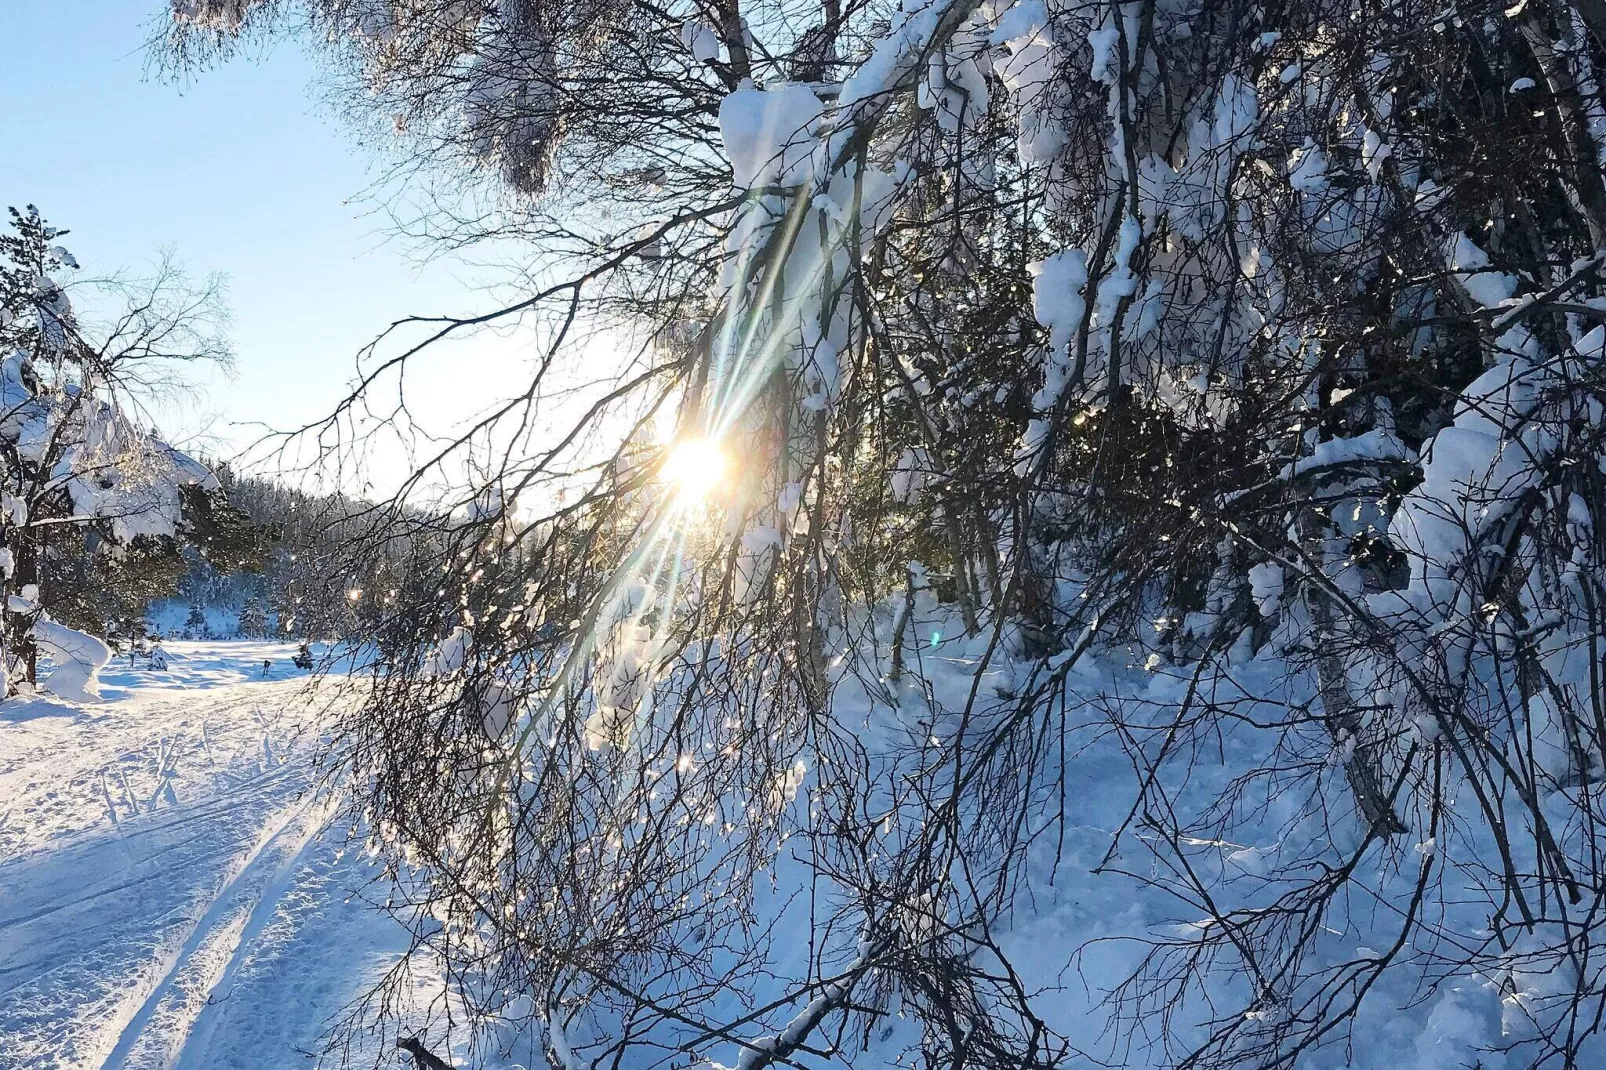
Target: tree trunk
[(1362, 767), (21, 651)]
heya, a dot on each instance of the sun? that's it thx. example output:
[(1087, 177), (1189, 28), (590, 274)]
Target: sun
[(695, 467)]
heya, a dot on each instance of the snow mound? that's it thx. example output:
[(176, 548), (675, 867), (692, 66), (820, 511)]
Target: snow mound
[(78, 658)]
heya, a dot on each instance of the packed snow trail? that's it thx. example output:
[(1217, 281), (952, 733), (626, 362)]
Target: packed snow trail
[(171, 893)]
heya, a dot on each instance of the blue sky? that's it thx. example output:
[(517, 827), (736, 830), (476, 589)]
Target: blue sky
[(238, 172)]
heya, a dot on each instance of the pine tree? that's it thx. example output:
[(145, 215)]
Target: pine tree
[(253, 619)]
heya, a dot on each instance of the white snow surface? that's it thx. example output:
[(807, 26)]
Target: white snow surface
[(77, 659), (767, 134), (173, 896), (171, 893)]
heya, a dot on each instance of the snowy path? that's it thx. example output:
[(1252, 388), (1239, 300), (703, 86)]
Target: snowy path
[(170, 892)]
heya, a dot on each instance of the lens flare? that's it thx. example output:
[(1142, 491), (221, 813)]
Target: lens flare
[(696, 468)]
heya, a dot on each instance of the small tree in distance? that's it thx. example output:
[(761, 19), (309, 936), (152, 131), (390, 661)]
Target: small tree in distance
[(195, 626), (253, 619)]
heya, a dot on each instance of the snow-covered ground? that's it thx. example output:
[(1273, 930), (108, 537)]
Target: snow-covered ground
[(172, 894)]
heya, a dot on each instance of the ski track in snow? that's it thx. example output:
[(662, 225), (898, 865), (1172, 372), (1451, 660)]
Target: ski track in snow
[(172, 894)]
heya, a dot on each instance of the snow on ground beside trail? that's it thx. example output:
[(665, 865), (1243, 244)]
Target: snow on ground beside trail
[(171, 894), (203, 665), (1093, 903)]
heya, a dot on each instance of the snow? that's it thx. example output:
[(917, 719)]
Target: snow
[(1120, 282), (1023, 20), (913, 27), (1377, 444), (77, 659), (1059, 304), (1373, 152), (1057, 300), (1090, 904), (700, 41), (912, 473), (1104, 911), (224, 15), (1266, 587), (169, 617), (109, 466), (768, 134), (450, 655), (1470, 264), (760, 544), (172, 894), (1237, 109), (1307, 168), (1027, 71), (1103, 43)]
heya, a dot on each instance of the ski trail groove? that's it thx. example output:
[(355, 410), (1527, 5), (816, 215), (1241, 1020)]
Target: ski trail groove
[(216, 930), (216, 913), (198, 1031)]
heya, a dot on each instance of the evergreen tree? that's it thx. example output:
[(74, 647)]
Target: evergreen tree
[(253, 619)]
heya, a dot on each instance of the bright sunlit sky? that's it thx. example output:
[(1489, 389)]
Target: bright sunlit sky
[(240, 171)]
